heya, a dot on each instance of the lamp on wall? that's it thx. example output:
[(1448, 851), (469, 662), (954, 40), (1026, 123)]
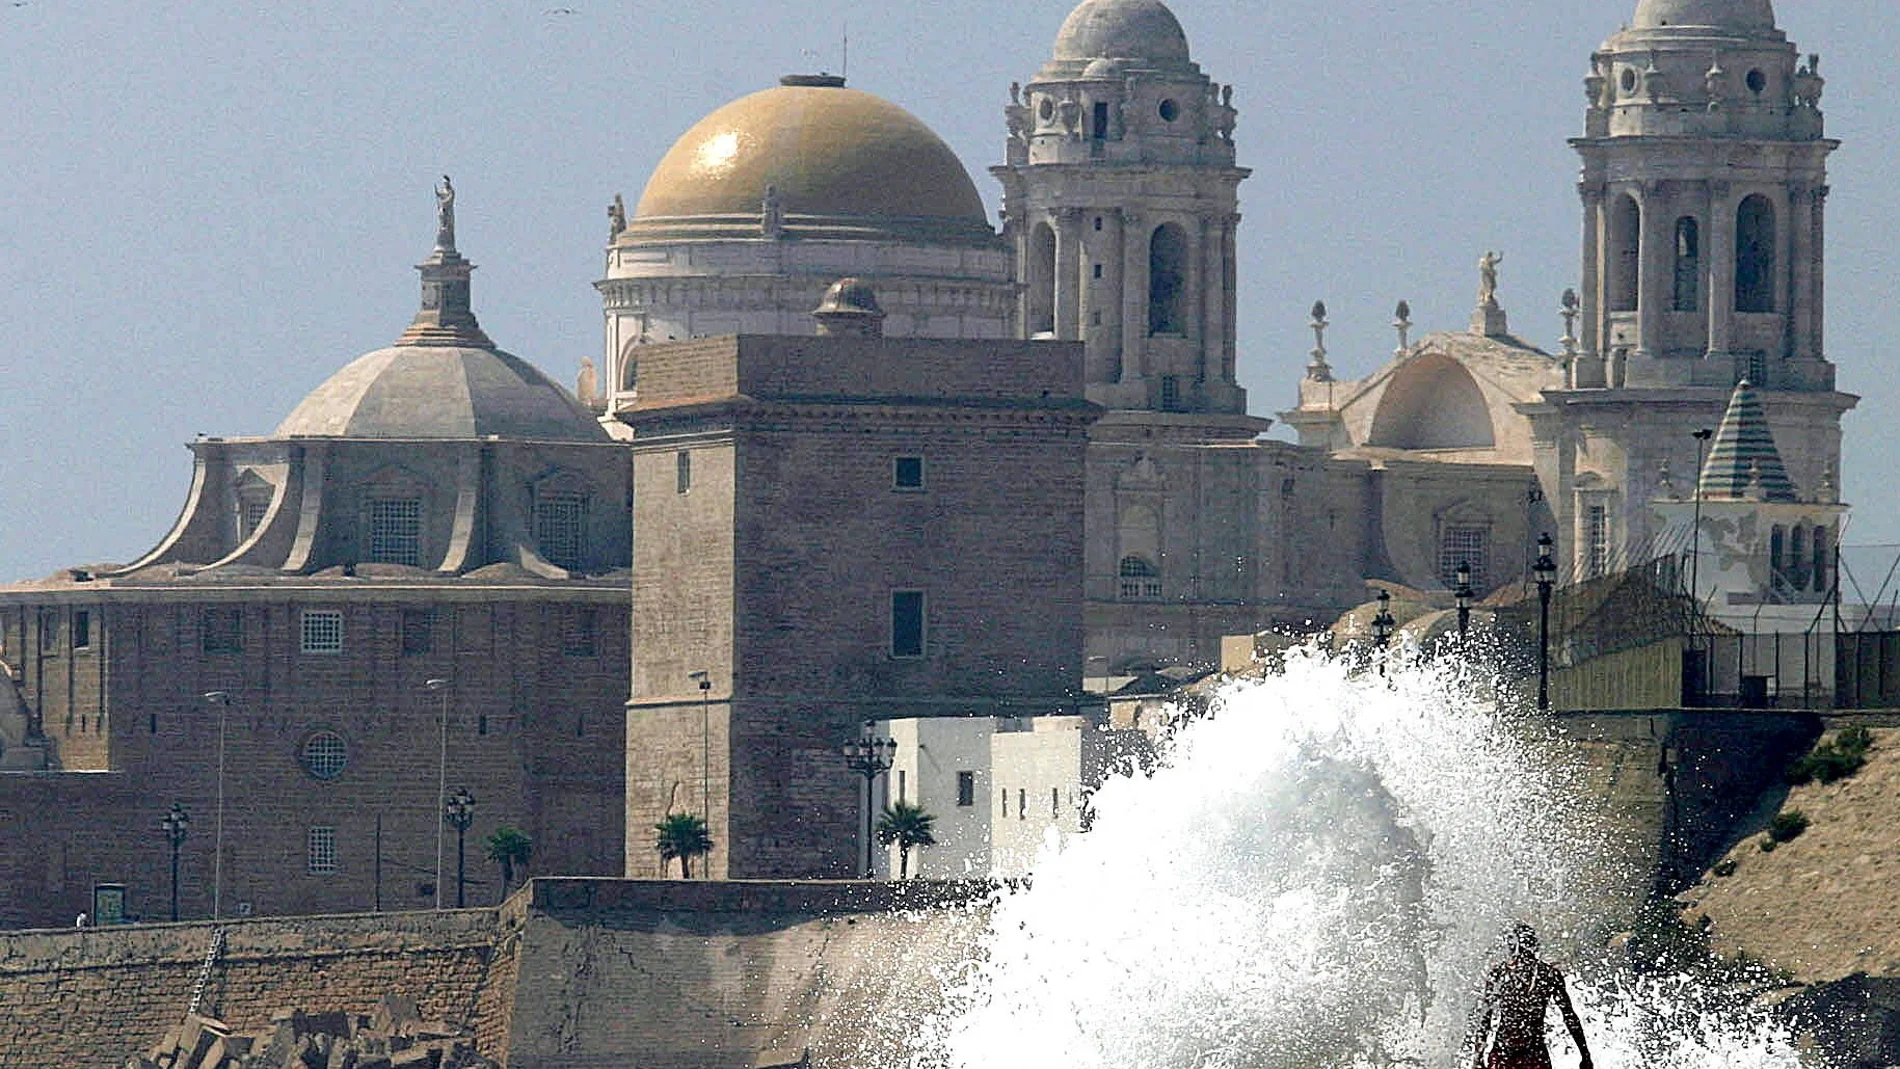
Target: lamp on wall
[(1462, 577)]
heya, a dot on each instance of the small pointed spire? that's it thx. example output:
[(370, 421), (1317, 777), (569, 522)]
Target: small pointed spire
[(1743, 463), (1402, 322), (1318, 370)]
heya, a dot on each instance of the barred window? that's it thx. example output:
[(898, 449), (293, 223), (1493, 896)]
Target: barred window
[(250, 514), (322, 851), (907, 473), (1597, 537), (683, 472), (418, 632), (966, 788), (559, 523), (1465, 544), (1140, 579), (580, 638), (322, 631), (395, 531), (325, 755), (221, 631)]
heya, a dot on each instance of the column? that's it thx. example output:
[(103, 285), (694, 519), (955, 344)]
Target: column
[(1592, 278), (1800, 270), (1721, 273), (1213, 298), (1068, 272), (1134, 297), (1230, 276), (1817, 286), (1655, 267), (1108, 299), (1787, 272)]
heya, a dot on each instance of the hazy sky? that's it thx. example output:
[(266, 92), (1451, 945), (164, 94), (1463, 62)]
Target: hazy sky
[(207, 208)]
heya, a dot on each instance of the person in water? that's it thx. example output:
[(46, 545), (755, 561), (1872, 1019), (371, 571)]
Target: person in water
[(1510, 1012)]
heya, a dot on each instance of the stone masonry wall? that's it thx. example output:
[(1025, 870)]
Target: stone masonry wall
[(94, 997)]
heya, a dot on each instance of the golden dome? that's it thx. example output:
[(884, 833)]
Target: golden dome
[(838, 161)]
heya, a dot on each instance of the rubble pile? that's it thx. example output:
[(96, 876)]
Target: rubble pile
[(391, 1037)]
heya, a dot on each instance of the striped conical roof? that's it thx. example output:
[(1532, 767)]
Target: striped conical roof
[(1744, 465)]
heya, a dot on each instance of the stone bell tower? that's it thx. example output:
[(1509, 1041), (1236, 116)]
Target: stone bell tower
[(1703, 183), (1119, 195)]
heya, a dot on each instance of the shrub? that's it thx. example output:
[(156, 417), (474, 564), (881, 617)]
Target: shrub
[(1726, 866), (1788, 825), (1834, 759), (1768, 845)]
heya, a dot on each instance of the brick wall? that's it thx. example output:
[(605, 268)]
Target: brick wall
[(535, 730), (94, 997)]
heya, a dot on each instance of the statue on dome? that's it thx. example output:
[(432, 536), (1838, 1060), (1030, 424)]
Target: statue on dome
[(616, 217), (445, 215), (1488, 279), (587, 386)]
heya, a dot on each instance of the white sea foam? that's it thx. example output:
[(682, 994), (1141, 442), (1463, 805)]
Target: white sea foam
[(1316, 875)]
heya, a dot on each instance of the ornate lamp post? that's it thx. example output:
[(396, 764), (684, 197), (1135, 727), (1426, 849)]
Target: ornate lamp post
[(704, 679), (441, 688), (1463, 592), (1383, 626), (223, 702), (1695, 540), (459, 813), (175, 825), (869, 757), (1545, 572)]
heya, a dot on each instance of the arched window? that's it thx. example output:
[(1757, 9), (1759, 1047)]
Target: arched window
[(1167, 280), (1755, 255), (560, 525), (1626, 244), (1688, 264), (1140, 580), (1042, 281)]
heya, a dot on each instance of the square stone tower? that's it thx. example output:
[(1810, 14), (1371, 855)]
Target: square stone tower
[(830, 530)]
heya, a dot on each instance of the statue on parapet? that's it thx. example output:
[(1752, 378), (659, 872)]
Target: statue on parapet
[(1488, 278), (616, 217)]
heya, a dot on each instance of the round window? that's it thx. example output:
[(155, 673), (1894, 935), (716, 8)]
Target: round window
[(1046, 109), (1757, 81), (1170, 111), (1628, 80), (324, 755)]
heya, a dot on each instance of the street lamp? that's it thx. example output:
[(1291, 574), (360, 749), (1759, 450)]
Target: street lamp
[(459, 813), (704, 679), (1545, 571), (175, 825), (1695, 540), (869, 757), (223, 701), (441, 688), (1382, 626), (1463, 592)]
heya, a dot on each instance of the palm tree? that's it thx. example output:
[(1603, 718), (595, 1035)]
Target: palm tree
[(683, 836), (508, 847), (907, 825)]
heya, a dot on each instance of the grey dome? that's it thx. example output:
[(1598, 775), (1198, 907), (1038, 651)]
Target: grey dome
[(1122, 29), (442, 391), (1755, 16)]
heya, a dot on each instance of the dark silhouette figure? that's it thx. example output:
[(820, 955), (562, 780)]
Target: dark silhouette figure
[(1510, 1012)]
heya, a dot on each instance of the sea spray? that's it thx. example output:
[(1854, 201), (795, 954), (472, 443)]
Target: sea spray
[(1315, 874)]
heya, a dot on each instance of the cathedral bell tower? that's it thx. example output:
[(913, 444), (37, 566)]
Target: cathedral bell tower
[(1704, 182), (1119, 196)]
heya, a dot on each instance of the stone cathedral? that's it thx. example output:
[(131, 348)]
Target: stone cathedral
[(880, 457), (1703, 186)]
